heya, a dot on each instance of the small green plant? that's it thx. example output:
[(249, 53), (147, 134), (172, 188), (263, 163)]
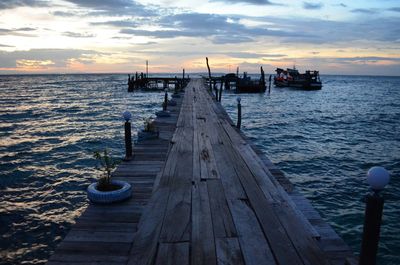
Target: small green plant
[(149, 125), (106, 165)]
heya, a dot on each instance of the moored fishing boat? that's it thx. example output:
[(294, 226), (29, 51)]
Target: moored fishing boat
[(310, 80)]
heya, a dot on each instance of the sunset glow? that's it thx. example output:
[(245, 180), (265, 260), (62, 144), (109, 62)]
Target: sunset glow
[(71, 36)]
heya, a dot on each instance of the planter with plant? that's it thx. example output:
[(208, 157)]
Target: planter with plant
[(149, 131), (106, 189)]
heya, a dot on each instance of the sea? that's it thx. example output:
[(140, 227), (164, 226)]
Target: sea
[(324, 141)]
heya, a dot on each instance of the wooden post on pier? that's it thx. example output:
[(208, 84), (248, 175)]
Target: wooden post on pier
[(165, 103), (220, 91), (209, 73), (147, 69), (239, 117), (262, 79), (128, 135), (377, 178), (269, 85), (183, 78)]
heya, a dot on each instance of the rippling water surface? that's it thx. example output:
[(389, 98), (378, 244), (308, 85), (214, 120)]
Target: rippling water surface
[(324, 141)]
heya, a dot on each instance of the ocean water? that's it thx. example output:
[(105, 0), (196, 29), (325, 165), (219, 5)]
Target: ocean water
[(324, 141)]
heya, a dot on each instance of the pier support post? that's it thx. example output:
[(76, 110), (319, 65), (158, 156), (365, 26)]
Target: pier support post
[(220, 92), (128, 135), (377, 178), (239, 117), (269, 84), (165, 103), (209, 74)]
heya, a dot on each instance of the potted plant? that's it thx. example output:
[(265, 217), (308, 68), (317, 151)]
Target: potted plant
[(107, 190), (149, 131)]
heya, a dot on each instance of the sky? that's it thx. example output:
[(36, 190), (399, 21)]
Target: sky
[(118, 36)]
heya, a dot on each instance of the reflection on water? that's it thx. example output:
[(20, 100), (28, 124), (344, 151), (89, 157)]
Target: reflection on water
[(324, 141)]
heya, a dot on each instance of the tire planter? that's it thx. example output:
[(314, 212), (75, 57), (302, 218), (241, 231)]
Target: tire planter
[(121, 194), (163, 113), (142, 135)]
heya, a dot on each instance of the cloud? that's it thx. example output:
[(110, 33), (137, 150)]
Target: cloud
[(252, 2), (251, 55), (5, 46), (17, 32), (342, 5), (114, 8), (53, 57), (9, 4), (394, 9), (364, 11), (320, 31), (65, 13), (219, 29), (77, 35), (312, 6), (115, 23)]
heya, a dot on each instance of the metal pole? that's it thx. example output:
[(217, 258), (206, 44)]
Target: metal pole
[(128, 141), (372, 225)]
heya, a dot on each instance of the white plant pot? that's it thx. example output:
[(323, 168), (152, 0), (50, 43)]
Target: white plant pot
[(97, 196)]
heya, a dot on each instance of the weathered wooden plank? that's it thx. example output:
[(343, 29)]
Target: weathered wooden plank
[(202, 239), (221, 216), (229, 252), (96, 236), (173, 254), (254, 246)]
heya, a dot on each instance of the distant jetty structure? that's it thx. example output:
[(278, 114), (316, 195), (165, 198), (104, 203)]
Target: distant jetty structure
[(203, 193), (144, 81)]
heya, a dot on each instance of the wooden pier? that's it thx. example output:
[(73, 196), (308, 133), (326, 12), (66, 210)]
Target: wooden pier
[(202, 194)]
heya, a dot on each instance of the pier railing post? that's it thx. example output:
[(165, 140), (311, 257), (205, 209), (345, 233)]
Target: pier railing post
[(239, 117), (377, 178), (128, 135), (220, 92), (165, 103)]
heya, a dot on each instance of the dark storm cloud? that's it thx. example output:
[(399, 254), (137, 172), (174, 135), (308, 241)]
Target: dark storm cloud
[(312, 6), (220, 29), (59, 57), (9, 4)]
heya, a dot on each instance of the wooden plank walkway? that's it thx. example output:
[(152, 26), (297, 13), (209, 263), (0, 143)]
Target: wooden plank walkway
[(207, 196)]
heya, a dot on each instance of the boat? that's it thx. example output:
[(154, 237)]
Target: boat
[(291, 77), (248, 85)]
